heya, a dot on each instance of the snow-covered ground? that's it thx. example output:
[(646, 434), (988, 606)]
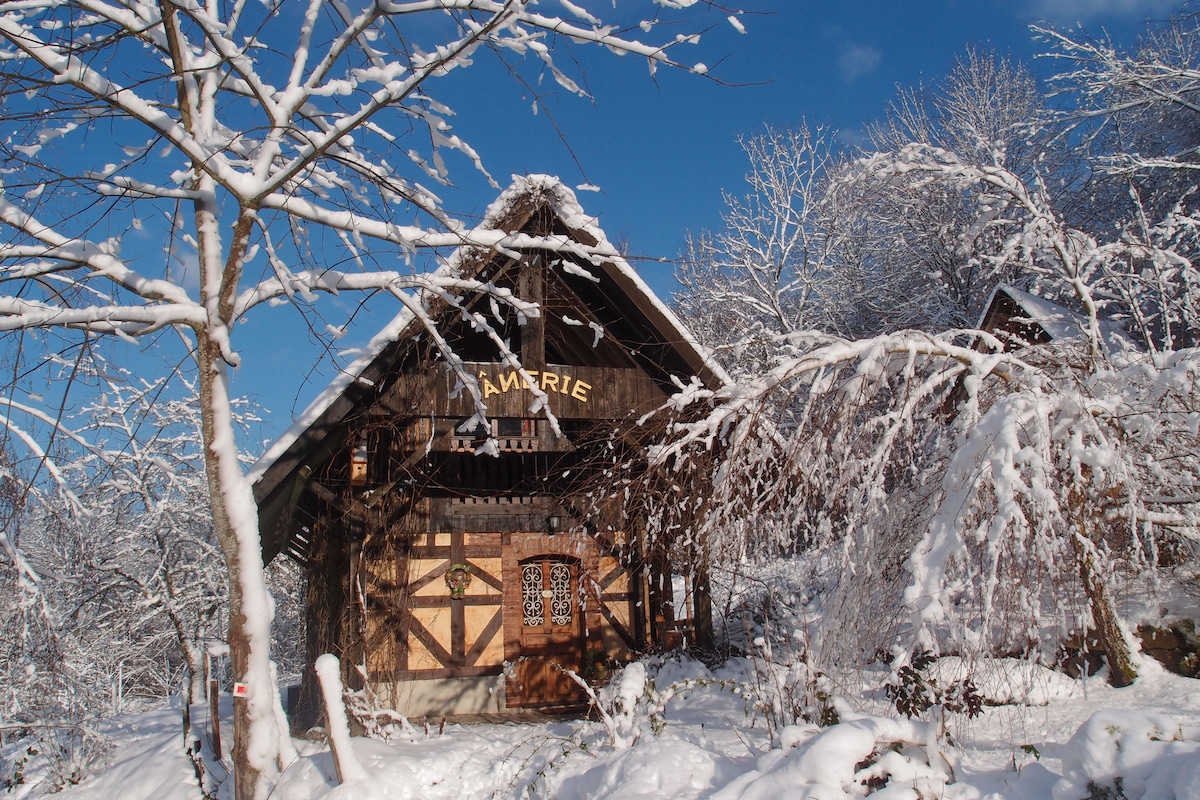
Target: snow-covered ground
[(1073, 739)]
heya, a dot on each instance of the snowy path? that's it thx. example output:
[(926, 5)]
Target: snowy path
[(710, 747)]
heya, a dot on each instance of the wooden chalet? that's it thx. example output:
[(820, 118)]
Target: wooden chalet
[(1026, 319), (440, 549)]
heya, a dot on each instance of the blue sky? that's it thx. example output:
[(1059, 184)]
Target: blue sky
[(662, 149)]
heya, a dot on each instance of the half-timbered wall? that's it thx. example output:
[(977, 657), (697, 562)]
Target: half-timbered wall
[(379, 594)]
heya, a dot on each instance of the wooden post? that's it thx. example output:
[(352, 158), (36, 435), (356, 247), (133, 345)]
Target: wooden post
[(533, 333), (703, 636), (187, 722), (214, 718), (337, 728)]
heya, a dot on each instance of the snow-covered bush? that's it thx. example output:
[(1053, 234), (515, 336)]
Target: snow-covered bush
[(1004, 681), (956, 500), (861, 755), (625, 703), (784, 691), (1130, 755), (376, 719), (51, 758), (635, 699), (913, 691)]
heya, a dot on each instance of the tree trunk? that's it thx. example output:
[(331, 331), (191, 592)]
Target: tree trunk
[(235, 521), (1122, 670), (193, 655), (702, 621)]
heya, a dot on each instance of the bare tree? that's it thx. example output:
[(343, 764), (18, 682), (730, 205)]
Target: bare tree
[(774, 267), (1131, 115), (1136, 108), (256, 144), (988, 111), (130, 587), (144, 486), (814, 245), (986, 108)]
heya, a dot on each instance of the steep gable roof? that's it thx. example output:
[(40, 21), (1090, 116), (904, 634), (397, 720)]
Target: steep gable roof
[(660, 342)]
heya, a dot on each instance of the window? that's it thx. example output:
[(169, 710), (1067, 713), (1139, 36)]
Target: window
[(509, 427), (547, 586)]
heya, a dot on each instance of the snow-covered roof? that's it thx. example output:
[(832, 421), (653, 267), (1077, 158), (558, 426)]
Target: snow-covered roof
[(527, 193), (1057, 321)]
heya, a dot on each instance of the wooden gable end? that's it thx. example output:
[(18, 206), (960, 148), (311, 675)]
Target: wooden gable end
[(601, 350)]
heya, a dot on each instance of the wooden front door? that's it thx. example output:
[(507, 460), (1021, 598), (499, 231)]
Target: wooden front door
[(551, 634)]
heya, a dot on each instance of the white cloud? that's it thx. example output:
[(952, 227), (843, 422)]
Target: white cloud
[(855, 138), (183, 268), (1064, 11), (856, 60)]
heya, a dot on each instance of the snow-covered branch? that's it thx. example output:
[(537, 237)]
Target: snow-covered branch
[(970, 487), (235, 153)]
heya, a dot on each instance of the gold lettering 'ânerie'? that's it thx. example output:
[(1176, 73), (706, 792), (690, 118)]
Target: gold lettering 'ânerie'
[(548, 382)]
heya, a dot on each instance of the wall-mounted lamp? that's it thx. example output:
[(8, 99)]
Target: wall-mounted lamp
[(553, 524)]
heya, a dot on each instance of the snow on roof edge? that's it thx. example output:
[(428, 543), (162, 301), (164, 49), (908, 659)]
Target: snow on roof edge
[(321, 403), (1058, 321), (566, 206)]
